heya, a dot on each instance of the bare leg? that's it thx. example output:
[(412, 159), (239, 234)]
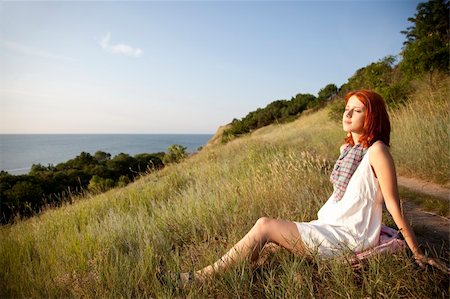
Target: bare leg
[(281, 232)]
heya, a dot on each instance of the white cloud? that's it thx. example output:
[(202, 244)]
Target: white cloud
[(123, 49), (32, 51)]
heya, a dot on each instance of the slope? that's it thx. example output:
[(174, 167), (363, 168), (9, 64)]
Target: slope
[(189, 213)]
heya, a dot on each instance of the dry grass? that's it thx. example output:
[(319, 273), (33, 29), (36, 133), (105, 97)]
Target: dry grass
[(421, 141), (189, 214)]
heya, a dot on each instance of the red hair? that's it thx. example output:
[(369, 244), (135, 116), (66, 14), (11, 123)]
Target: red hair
[(376, 124)]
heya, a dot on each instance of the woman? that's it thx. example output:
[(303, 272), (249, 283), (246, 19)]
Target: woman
[(363, 176)]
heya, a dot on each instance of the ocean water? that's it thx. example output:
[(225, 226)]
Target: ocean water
[(19, 152)]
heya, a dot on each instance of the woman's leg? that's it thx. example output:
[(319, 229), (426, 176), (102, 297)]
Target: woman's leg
[(282, 232)]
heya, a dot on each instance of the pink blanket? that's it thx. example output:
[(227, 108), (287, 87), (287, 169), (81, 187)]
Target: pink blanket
[(389, 242)]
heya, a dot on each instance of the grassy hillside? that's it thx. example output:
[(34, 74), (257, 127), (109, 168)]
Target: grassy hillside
[(420, 137), (190, 213)]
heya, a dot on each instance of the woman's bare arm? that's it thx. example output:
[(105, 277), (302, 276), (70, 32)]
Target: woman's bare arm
[(383, 166)]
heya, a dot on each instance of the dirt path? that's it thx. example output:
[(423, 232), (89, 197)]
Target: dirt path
[(424, 187), (433, 231)]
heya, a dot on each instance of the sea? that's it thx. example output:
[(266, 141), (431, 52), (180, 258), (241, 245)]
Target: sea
[(19, 152)]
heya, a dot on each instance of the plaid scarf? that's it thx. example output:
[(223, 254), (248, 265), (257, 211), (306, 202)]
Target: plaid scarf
[(344, 168)]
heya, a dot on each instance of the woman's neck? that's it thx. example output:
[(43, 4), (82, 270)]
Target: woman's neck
[(356, 138)]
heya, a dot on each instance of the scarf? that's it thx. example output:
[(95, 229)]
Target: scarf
[(344, 168)]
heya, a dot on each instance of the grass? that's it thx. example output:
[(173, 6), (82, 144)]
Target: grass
[(420, 141), (189, 214), (427, 202)]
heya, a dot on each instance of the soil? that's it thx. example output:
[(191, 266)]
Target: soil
[(433, 231), (424, 187)]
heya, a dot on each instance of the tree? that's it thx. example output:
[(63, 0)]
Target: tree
[(51, 185), (375, 76), (426, 49), (101, 156), (175, 153), (432, 18), (24, 197), (123, 181), (279, 111), (298, 104), (327, 93), (145, 162), (121, 164), (382, 77), (99, 184)]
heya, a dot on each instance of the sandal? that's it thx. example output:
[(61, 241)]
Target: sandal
[(174, 279)]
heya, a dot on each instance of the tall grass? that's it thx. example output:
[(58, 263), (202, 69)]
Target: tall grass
[(188, 215), (421, 141)]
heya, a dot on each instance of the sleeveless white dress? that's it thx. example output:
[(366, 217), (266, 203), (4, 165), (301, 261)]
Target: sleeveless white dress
[(353, 223)]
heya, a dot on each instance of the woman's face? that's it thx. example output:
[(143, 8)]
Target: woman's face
[(354, 116)]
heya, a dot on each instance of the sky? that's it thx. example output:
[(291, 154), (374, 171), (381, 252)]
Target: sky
[(179, 66)]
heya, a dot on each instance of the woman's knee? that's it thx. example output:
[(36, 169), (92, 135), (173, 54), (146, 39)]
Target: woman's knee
[(279, 231), (262, 225), (263, 221)]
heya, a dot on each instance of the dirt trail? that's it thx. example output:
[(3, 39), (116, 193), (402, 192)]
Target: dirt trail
[(433, 231), (424, 187)]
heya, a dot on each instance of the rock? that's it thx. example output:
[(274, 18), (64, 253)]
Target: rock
[(217, 138)]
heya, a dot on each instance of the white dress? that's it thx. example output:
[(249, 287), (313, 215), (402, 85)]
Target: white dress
[(353, 223)]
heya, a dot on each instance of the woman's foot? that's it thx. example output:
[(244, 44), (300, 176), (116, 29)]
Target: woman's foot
[(176, 280), (187, 278)]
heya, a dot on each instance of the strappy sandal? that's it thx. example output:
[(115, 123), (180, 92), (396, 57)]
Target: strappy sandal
[(174, 279)]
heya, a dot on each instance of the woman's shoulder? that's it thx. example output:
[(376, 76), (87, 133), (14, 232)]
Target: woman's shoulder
[(378, 146), (379, 150)]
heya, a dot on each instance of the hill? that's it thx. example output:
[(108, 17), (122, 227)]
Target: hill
[(188, 214)]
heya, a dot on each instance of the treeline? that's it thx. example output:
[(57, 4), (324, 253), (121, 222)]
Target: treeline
[(424, 56), (425, 53), (280, 111), (25, 195)]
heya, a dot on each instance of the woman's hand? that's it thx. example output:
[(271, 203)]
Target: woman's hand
[(423, 260)]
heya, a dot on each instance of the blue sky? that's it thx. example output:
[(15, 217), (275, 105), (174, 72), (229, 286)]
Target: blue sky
[(179, 66)]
